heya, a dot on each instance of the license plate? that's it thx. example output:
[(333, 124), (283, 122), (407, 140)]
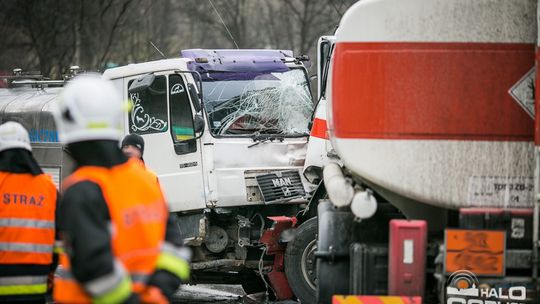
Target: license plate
[(480, 251), (281, 185)]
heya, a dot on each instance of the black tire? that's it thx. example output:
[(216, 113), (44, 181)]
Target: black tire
[(300, 264)]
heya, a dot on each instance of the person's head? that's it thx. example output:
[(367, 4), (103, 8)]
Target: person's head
[(89, 109), (14, 136), (16, 151), (133, 146)]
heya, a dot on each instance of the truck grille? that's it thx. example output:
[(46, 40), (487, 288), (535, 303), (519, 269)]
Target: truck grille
[(281, 185)]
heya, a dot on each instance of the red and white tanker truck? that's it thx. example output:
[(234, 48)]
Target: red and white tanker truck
[(431, 110)]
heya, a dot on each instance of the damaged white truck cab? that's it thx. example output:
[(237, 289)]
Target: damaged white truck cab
[(226, 131), (253, 122)]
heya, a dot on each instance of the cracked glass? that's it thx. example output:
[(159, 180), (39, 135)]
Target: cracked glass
[(269, 103)]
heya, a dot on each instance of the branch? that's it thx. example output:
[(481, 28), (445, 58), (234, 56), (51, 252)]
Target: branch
[(113, 30), (292, 7)]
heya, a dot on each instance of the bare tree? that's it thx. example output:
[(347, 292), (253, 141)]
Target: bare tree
[(100, 24), (50, 35)]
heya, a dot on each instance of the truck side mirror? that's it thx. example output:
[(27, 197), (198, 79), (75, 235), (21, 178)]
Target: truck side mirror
[(142, 83), (198, 123), (185, 147), (194, 97)]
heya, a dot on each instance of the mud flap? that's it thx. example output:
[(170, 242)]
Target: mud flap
[(335, 230)]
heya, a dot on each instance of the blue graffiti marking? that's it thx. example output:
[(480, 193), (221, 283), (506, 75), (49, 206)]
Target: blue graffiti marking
[(40, 136)]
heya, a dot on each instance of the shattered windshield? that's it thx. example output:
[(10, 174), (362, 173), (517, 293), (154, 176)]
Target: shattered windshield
[(268, 103)]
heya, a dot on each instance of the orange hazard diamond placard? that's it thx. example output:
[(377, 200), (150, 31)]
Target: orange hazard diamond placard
[(479, 251)]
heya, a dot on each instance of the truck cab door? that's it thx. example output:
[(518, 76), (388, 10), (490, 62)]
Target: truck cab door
[(325, 46), (163, 115)]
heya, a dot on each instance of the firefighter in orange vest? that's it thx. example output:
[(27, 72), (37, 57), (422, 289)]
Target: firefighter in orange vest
[(121, 244), (27, 220), (133, 147)]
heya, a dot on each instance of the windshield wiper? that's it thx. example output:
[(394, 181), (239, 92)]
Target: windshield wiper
[(261, 138)]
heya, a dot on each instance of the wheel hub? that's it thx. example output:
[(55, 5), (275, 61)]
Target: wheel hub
[(309, 265)]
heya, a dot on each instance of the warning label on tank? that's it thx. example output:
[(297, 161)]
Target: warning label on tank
[(501, 191), (523, 92)]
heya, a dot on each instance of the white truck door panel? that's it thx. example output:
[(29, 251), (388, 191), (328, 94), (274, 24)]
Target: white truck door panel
[(163, 116)]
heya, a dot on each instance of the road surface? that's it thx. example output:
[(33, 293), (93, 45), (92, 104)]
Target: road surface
[(221, 294)]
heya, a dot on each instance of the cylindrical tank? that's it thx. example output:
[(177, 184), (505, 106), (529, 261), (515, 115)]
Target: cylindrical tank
[(432, 99), (32, 108)]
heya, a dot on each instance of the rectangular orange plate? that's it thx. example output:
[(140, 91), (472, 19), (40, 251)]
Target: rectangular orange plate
[(479, 251), (375, 300)]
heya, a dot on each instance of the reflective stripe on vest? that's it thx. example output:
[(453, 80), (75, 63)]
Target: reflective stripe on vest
[(18, 222), (23, 280), (25, 247), (58, 247), (23, 289), (138, 220), (179, 252), (23, 285), (27, 220), (105, 283), (175, 260)]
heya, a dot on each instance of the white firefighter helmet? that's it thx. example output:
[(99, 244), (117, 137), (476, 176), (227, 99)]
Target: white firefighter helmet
[(89, 108), (14, 135)]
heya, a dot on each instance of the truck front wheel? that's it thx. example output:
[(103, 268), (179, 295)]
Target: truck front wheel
[(300, 262)]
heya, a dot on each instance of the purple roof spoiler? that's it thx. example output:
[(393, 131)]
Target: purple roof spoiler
[(238, 60)]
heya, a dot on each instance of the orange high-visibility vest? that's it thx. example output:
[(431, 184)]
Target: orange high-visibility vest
[(27, 226), (27, 210), (154, 175), (138, 217)]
